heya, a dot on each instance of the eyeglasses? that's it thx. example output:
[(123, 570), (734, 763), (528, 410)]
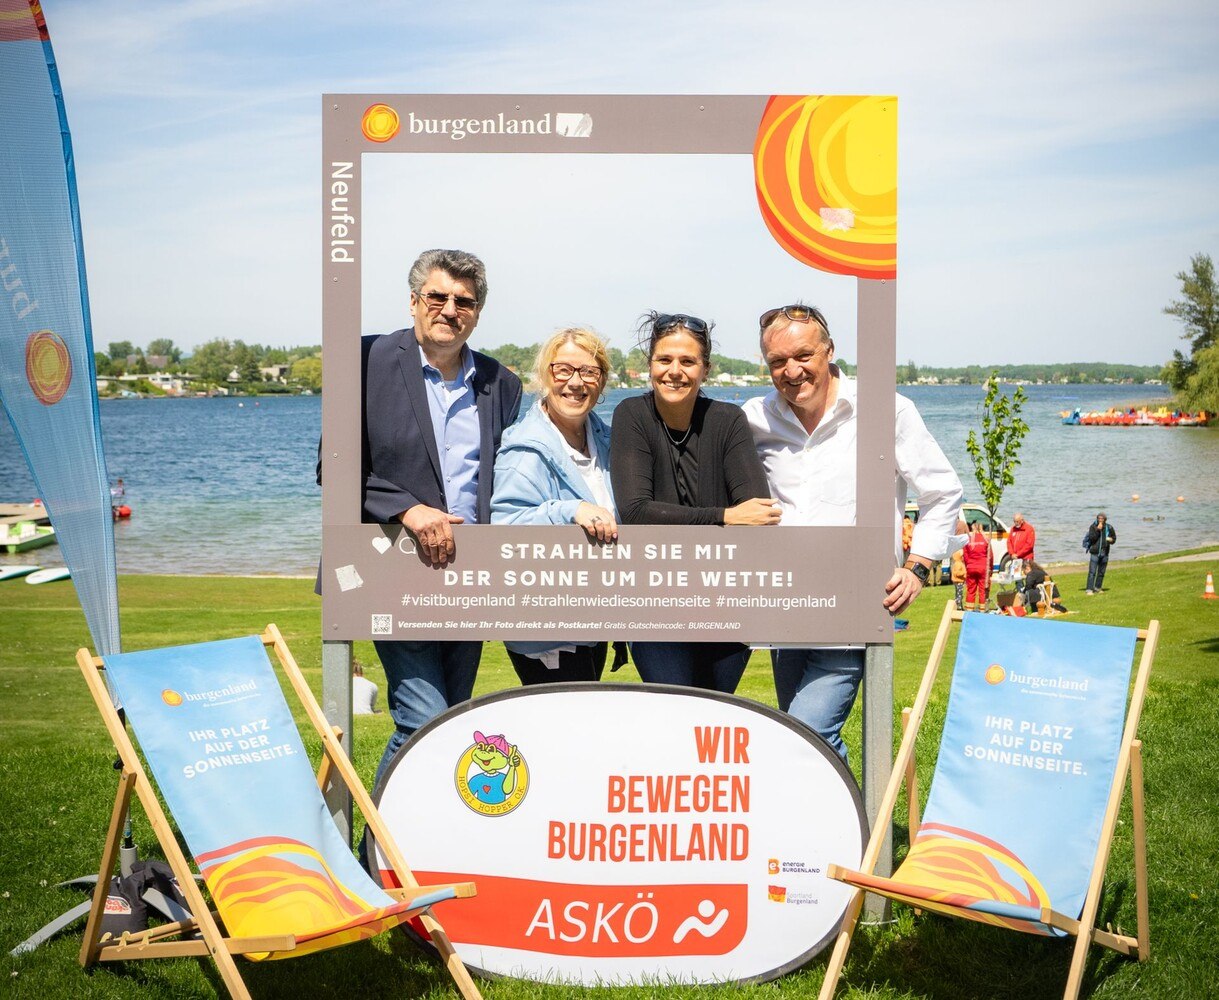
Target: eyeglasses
[(667, 321), (796, 313), (589, 374), (438, 300)]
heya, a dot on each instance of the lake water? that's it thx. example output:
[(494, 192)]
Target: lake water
[(226, 486)]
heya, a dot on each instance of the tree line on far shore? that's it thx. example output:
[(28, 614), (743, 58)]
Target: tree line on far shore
[(1192, 377), (234, 364)]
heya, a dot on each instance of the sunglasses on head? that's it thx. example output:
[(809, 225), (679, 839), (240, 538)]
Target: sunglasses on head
[(668, 321), (796, 313)]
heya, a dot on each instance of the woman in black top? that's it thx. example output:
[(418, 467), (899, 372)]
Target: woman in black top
[(677, 457)]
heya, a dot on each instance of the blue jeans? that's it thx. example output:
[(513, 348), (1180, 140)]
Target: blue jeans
[(1096, 571), (818, 687), (422, 680), (716, 666)]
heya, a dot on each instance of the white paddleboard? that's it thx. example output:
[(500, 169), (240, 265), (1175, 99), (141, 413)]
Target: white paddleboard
[(13, 572), (49, 575)]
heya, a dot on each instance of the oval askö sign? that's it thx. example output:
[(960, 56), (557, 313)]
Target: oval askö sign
[(627, 833)]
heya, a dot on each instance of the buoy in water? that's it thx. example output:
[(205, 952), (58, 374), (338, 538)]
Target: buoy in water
[(1134, 497), (1180, 499)]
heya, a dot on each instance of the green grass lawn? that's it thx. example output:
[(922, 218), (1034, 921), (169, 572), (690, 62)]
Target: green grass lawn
[(57, 787)]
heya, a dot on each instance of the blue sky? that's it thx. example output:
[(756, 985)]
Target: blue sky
[(1057, 165)]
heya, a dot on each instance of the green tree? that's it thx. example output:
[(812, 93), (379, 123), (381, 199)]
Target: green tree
[(308, 373), (1198, 311), (1201, 389), (995, 456), (119, 349), (165, 347), (212, 361), (101, 363), (519, 358), (245, 359)]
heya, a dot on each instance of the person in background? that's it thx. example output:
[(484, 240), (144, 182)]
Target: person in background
[(907, 536), (363, 692), (434, 411), (1020, 541), (958, 569), (678, 457), (1034, 576), (553, 468), (805, 431), (978, 564), (1097, 542)]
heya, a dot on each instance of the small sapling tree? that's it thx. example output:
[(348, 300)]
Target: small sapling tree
[(995, 455)]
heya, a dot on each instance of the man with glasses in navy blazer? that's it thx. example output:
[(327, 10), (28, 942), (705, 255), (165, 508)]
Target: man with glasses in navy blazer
[(434, 411)]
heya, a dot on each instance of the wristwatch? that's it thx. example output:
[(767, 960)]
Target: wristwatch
[(919, 570)]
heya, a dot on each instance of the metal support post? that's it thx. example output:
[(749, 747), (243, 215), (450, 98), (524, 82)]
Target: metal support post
[(336, 704), (878, 757)]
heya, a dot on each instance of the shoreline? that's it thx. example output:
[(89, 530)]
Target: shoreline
[(1210, 551), (1205, 553)]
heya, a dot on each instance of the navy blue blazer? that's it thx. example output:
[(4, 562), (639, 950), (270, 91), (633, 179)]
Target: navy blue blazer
[(401, 464)]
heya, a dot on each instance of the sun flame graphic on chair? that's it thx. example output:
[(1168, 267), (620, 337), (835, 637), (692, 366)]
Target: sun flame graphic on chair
[(266, 886), (963, 868)]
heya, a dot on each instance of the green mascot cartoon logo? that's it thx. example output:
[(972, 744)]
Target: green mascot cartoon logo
[(492, 776)]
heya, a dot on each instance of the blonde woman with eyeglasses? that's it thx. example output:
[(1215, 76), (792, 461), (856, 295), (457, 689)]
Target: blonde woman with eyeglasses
[(553, 468)]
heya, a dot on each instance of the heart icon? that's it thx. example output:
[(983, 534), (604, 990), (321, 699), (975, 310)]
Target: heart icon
[(381, 544), (486, 789)]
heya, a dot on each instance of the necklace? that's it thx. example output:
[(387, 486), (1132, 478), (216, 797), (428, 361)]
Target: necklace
[(677, 441)]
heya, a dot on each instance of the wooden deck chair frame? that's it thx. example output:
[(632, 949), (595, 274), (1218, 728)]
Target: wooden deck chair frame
[(158, 942), (1129, 762)]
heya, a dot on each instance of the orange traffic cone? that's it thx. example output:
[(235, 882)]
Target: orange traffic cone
[(1209, 592)]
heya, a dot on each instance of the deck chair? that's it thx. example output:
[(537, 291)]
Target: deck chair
[(221, 742), (1032, 765)]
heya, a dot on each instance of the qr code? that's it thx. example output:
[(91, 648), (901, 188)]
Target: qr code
[(382, 624)]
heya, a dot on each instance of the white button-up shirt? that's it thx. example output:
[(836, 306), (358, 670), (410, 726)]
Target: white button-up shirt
[(813, 475)]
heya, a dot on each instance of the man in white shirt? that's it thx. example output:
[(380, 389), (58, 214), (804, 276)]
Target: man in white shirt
[(805, 431)]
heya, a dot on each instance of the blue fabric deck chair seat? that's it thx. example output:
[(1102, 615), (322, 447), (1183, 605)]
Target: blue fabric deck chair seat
[(1038, 740), (221, 742)]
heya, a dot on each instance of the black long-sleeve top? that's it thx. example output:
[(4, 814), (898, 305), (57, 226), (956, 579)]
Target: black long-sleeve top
[(719, 465)]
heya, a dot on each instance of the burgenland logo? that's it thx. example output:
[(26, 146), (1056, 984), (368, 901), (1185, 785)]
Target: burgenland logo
[(174, 698), (380, 123), (996, 674), (492, 777), (48, 366)]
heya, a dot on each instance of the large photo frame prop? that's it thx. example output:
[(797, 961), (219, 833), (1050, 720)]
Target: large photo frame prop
[(824, 170)]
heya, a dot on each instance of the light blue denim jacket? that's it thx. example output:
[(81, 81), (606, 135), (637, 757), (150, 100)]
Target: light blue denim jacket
[(536, 482)]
